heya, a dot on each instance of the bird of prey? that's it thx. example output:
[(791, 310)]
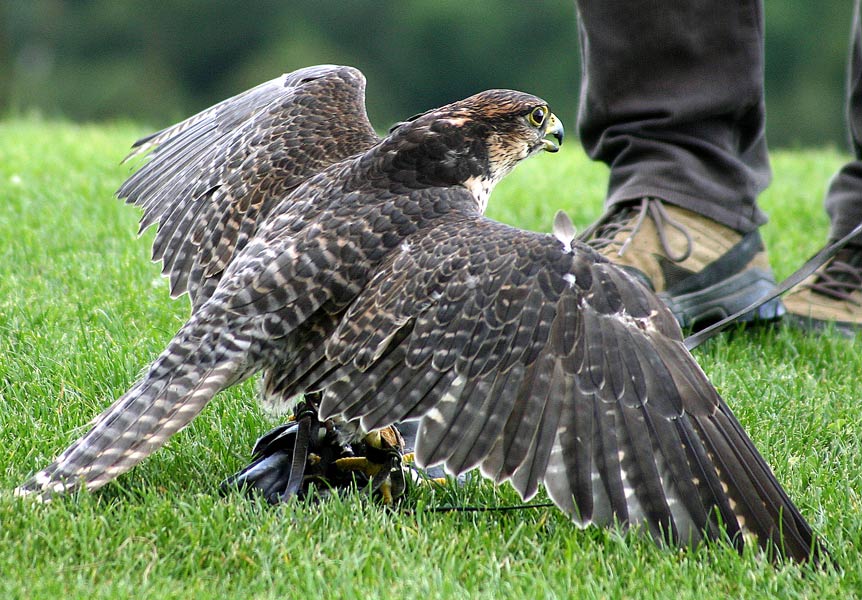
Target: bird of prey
[(362, 270)]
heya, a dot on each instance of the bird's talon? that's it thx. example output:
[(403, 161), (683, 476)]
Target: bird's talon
[(358, 463), (386, 492)]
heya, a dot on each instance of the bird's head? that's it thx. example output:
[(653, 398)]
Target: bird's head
[(477, 141)]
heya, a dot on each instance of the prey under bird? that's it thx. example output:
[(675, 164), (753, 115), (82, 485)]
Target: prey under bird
[(361, 271)]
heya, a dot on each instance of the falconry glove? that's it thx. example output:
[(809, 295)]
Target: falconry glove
[(308, 457)]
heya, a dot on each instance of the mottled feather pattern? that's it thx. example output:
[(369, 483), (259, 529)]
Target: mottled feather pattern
[(631, 439), (201, 360), (212, 179), (362, 268)]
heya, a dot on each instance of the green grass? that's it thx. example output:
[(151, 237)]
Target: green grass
[(83, 311)]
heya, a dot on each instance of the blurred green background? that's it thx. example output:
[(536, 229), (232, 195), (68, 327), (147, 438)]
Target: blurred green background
[(156, 62)]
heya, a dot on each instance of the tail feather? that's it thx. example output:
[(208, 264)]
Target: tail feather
[(194, 368), (742, 487), (758, 502)]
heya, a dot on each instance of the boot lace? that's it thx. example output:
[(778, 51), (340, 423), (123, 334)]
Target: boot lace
[(841, 277), (604, 233)]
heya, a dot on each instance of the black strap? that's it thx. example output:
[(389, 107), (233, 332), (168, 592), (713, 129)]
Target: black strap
[(811, 265), (300, 451)]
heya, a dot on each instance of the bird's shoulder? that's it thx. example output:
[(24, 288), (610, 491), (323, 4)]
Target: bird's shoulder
[(471, 278)]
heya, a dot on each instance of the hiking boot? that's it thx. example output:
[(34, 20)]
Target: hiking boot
[(832, 296), (702, 270)]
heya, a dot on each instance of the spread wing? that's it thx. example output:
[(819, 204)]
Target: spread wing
[(541, 362), (213, 178)]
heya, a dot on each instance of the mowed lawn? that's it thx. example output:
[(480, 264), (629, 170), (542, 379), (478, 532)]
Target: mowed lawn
[(83, 311)]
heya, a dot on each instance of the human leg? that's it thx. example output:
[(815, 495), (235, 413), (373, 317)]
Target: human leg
[(833, 295), (672, 101)]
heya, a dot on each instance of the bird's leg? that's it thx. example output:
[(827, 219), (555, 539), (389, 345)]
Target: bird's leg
[(380, 461)]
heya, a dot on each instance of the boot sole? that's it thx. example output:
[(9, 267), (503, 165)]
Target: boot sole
[(700, 308)]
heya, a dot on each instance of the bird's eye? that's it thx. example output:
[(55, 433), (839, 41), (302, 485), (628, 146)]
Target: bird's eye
[(537, 116)]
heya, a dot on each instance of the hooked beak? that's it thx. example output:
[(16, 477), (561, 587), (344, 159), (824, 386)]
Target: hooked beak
[(554, 128)]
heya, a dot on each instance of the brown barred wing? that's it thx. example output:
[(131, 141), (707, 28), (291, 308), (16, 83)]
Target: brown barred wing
[(212, 179), (538, 361)]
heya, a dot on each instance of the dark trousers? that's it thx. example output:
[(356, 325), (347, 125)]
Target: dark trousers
[(672, 102)]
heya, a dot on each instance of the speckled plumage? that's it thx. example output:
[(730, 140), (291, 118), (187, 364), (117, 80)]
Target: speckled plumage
[(336, 261)]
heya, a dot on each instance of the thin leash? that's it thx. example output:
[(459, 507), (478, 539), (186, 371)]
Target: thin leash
[(811, 265), (476, 509)]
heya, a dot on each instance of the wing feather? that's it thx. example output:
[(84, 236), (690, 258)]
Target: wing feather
[(525, 418), (531, 471), (486, 418), (578, 450), (557, 368), (213, 178)]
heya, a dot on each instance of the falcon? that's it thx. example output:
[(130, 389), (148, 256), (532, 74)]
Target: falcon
[(361, 271)]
